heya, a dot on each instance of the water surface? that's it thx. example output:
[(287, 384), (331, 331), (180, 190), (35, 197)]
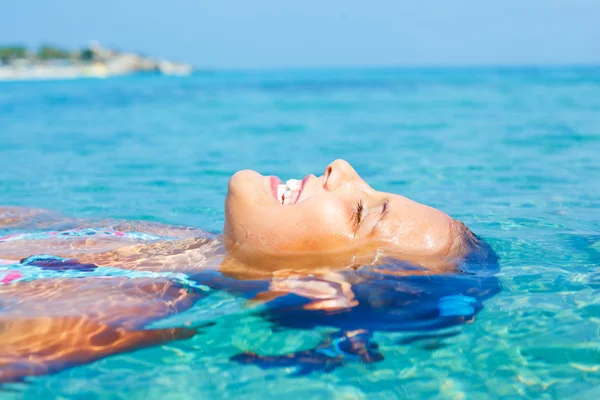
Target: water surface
[(513, 153)]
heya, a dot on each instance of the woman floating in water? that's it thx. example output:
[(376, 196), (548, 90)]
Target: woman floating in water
[(324, 251)]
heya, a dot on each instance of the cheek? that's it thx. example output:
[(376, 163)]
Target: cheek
[(281, 229), (314, 228), (317, 228)]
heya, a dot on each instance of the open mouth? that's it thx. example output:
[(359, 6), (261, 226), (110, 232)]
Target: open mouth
[(289, 192)]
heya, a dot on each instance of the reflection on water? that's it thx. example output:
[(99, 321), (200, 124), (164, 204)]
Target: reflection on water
[(59, 312), (512, 152), (52, 324)]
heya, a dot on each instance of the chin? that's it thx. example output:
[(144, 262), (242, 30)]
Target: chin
[(242, 181), (249, 187)]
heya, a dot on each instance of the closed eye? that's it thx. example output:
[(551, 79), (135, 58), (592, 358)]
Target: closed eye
[(384, 209), (358, 215), (377, 224), (361, 211)]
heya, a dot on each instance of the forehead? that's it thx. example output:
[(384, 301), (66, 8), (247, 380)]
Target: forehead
[(408, 223)]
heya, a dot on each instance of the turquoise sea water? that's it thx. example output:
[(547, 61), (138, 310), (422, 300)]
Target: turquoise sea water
[(513, 153)]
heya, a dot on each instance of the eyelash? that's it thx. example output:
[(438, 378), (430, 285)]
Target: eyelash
[(358, 213)]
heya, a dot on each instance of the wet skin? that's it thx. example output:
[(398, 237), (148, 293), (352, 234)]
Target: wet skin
[(52, 324), (335, 215), (300, 259)]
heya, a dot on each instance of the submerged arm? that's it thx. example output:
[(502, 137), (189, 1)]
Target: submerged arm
[(53, 324), (185, 255), (137, 245)]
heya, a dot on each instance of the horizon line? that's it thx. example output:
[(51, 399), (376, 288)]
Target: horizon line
[(457, 66)]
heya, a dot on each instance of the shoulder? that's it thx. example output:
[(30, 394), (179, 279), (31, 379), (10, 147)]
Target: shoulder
[(182, 255)]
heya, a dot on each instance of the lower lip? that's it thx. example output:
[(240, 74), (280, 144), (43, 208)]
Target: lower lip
[(275, 181)]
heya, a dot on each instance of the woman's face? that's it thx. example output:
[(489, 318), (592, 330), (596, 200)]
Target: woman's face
[(335, 213)]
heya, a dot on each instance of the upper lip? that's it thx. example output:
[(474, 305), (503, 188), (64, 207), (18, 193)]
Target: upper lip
[(304, 180)]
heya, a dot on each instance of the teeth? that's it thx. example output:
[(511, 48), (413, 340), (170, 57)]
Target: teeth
[(281, 189), (285, 191), (293, 184)]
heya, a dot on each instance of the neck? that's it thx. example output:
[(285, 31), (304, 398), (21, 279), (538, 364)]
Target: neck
[(246, 264)]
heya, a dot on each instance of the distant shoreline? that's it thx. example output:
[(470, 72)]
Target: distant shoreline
[(334, 72), (9, 74), (16, 64)]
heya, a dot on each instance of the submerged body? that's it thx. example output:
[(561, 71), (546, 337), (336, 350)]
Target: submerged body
[(356, 271)]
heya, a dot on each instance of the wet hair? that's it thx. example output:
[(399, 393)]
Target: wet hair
[(473, 249)]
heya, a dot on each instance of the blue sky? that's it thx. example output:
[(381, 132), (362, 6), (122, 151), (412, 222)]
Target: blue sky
[(311, 33)]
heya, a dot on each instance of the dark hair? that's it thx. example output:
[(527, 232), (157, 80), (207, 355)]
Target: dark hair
[(474, 250)]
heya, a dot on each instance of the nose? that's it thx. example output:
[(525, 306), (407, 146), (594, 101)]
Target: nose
[(340, 173)]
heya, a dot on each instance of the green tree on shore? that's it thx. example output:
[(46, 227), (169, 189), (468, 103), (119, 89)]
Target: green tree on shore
[(52, 53), (12, 52), (87, 54)]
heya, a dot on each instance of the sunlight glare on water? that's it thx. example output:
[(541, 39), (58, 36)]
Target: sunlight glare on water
[(513, 153)]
